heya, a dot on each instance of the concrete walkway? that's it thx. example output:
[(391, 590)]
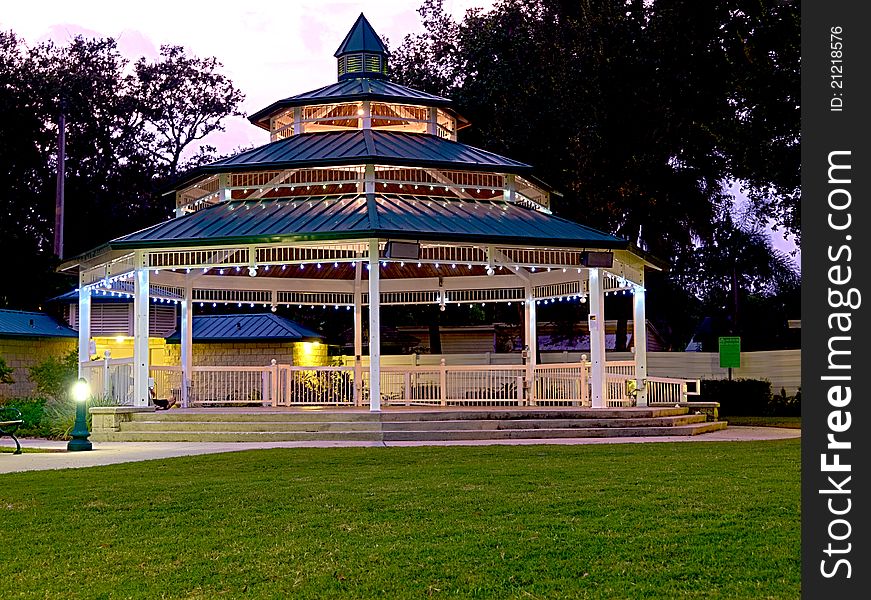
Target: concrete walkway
[(108, 453)]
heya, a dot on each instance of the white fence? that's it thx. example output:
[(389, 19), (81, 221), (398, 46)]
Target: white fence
[(111, 378), (556, 384)]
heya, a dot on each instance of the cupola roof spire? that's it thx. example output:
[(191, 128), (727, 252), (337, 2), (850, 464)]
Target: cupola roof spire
[(362, 54)]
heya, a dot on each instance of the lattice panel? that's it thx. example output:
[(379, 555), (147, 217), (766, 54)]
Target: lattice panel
[(169, 292), (492, 295), (412, 297), (296, 178), (295, 254), (454, 254), (174, 259), (197, 192), (557, 290), (541, 258), (315, 298), (613, 283), (229, 296), (472, 180)]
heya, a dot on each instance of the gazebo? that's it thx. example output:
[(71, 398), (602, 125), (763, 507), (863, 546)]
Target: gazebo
[(364, 198)]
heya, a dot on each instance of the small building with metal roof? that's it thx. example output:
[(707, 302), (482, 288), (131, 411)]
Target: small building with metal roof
[(26, 339)]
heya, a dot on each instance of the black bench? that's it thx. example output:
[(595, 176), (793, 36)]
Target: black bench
[(10, 419)]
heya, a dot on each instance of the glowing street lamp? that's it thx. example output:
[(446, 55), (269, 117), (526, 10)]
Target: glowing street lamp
[(80, 393)]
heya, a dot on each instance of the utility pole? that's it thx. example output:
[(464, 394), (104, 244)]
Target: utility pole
[(59, 195)]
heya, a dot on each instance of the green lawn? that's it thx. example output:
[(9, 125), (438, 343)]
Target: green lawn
[(683, 520), (787, 422)]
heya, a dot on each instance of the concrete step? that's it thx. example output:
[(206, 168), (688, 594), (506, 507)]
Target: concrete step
[(484, 413), (250, 426), (477, 425), (547, 434), (413, 435), (216, 415), (239, 436)]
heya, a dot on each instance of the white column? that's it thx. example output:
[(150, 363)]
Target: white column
[(84, 318), (374, 328), (597, 338), (366, 117), (187, 348), (529, 321), (140, 331), (432, 126), (358, 332), (639, 335)]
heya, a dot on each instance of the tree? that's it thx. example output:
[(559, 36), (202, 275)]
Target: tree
[(639, 136), (639, 112), (123, 139), (182, 99)]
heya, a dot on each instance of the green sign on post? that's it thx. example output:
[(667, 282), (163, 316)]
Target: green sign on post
[(730, 352)]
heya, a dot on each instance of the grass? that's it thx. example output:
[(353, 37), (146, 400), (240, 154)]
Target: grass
[(699, 520), (11, 449), (787, 422)]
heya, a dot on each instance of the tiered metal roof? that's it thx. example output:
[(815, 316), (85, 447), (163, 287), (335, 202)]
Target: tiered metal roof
[(366, 145), (351, 90), (355, 216)]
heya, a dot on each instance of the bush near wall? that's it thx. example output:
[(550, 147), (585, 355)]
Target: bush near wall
[(749, 397), (35, 423)]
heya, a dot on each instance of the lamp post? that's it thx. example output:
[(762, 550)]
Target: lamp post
[(80, 393)]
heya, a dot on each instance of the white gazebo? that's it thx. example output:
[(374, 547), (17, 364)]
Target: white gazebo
[(365, 199)]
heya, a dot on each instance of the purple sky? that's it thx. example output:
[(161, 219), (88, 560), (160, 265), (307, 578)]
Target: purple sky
[(269, 49)]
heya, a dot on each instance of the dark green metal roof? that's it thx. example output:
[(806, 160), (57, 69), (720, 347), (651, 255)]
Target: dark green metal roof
[(362, 146), (354, 216), (351, 90), (246, 328), (361, 38)]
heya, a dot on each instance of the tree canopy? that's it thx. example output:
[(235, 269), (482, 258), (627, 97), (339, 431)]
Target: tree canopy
[(641, 112), (128, 129)]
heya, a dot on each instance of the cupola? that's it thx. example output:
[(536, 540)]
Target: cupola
[(362, 54)]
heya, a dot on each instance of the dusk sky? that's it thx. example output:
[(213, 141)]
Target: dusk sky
[(269, 49)]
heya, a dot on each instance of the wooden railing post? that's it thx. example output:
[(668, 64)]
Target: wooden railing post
[(106, 384), (407, 388), (358, 381), (273, 382), (443, 382)]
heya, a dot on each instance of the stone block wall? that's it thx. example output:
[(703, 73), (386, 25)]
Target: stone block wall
[(23, 353), (252, 354)]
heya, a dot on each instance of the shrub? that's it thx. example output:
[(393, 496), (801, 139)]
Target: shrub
[(60, 417), (54, 376), (5, 372), (33, 416), (738, 397)]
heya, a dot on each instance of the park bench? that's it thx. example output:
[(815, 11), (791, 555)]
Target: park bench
[(10, 419)]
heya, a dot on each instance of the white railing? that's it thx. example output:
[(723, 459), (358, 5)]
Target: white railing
[(312, 386), (167, 382), (232, 385), (670, 391), (111, 378), (558, 384), (442, 385), (620, 367), (562, 384)]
